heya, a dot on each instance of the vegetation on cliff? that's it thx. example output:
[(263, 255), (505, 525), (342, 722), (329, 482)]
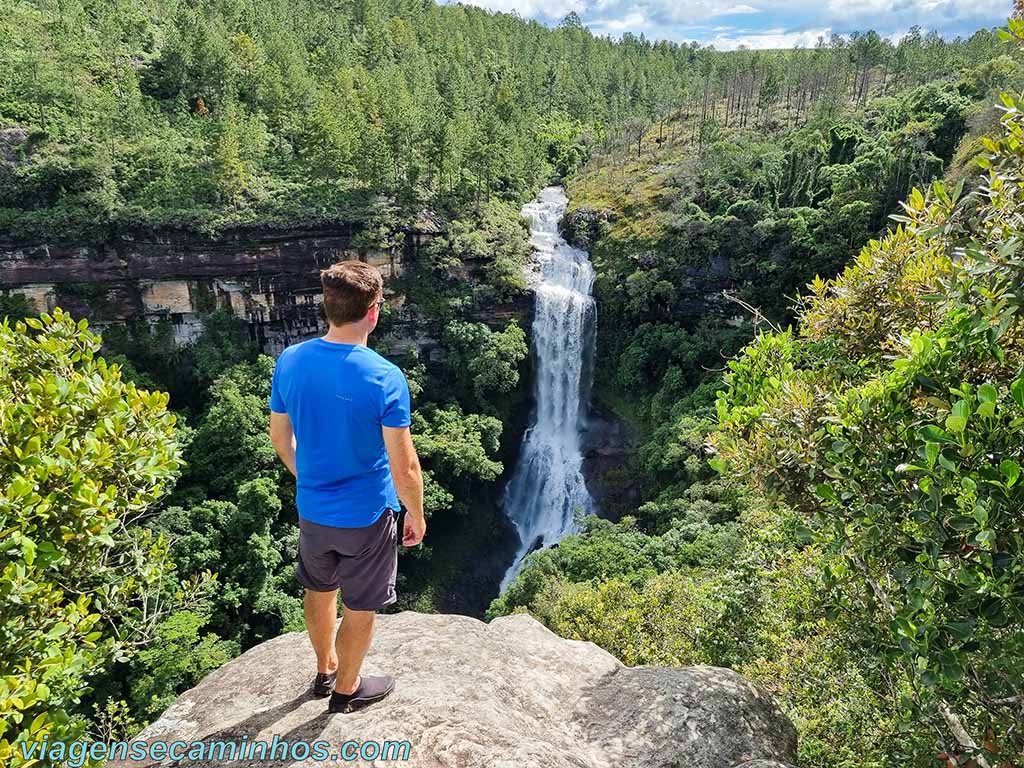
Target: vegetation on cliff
[(83, 454), (212, 114), (892, 426)]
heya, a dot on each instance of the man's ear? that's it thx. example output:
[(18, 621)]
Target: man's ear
[(373, 313)]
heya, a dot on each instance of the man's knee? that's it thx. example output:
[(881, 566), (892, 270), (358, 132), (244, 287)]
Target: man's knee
[(357, 616), (315, 598)]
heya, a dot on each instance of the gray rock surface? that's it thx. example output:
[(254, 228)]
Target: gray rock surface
[(11, 140), (508, 694)]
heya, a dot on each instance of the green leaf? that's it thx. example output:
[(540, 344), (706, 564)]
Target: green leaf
[(28, 550), (904, 468), (19, 487), (934, 434), (41, 718), (825, 491), (916, 200), (985, 537), (956, 423), (1010, 470), (1017, 390), (987, 393), (961, 630)]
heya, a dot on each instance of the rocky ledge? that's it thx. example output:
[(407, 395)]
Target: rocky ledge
[(508, 694)]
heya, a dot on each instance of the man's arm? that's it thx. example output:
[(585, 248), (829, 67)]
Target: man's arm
[(408, 477), (283, 438)]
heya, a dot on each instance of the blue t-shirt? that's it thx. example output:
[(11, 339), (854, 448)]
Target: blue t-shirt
[(338, 396)]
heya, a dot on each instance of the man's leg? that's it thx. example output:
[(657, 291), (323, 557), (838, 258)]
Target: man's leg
[(321, 617), (353, 641), (367, 580)]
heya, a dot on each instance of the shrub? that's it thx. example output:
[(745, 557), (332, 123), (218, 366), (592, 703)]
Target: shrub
[(83, 454), (894, 428)]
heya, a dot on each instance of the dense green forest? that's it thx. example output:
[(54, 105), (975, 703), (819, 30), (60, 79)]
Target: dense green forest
[(873, 617), (225, 111)]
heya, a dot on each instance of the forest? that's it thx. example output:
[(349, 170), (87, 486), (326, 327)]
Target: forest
[(807, 280)]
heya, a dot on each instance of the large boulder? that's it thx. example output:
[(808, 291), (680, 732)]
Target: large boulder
[(508, 694)]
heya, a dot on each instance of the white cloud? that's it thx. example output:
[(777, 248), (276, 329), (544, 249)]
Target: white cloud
[(694, 11), (926, 13), (737, 9), (770, 38), (633, 22), (765, 23)]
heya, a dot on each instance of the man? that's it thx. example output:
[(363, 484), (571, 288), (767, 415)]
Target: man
[(340, 422)]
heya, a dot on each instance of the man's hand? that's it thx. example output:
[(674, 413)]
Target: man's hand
[(408, 477), (414, 529)]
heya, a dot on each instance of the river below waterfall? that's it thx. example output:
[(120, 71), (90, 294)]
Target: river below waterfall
[(547, 487)]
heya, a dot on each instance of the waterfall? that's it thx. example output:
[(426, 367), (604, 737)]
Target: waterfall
[(547, 486)]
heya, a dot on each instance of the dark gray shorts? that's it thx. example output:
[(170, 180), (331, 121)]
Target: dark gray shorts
[(361, 562)]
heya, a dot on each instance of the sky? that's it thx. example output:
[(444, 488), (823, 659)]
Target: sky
[(728, 24)]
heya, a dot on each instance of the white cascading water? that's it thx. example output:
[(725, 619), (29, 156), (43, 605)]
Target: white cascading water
[(547, 487)]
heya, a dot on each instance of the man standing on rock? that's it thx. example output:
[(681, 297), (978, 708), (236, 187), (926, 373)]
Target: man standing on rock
[(339, 421)]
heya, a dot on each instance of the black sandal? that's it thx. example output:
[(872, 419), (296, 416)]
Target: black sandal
[(323, 685), (370, 690)]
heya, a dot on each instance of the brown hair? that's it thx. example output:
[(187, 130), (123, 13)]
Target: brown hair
[(350, 288)]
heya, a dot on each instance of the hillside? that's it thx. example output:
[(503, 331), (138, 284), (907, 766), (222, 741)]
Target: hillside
[(208, 115)]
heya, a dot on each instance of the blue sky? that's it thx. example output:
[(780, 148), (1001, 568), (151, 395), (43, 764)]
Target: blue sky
[(727, 24)]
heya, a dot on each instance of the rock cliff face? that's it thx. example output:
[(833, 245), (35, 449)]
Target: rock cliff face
[(269, 278), (509, 694)]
